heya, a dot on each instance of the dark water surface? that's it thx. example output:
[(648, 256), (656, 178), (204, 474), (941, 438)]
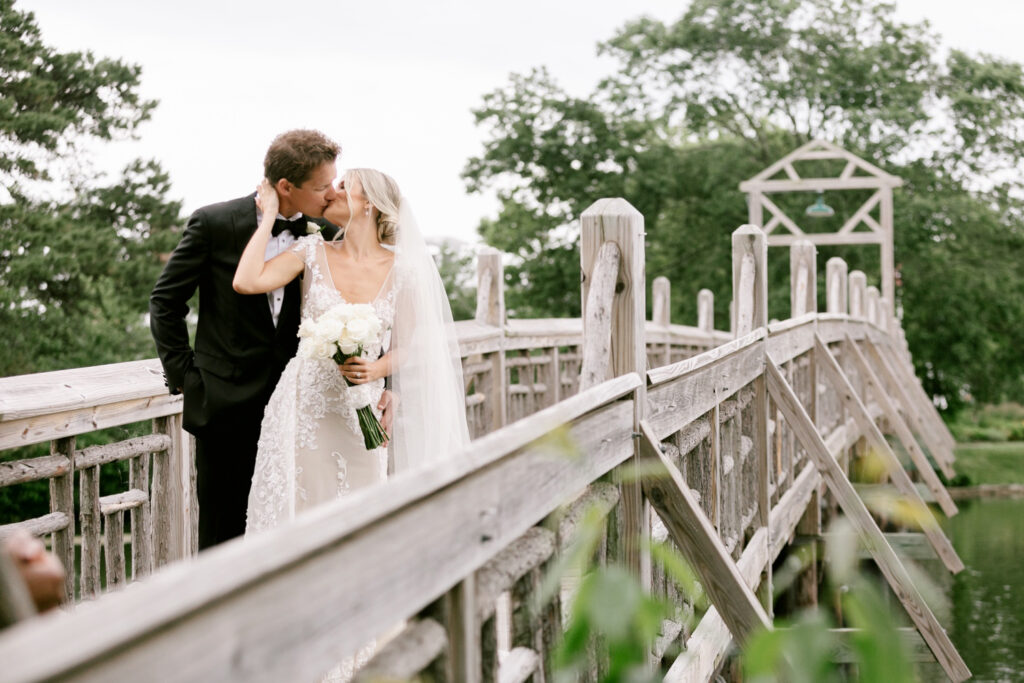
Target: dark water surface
[(988, 596)]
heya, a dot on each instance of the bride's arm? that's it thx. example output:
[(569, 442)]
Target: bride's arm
[(254, 275)]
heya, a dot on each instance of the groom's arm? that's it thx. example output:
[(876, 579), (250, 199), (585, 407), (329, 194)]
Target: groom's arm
[(168, 304)]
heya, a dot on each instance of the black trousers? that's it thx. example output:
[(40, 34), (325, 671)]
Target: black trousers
[(225, 459)]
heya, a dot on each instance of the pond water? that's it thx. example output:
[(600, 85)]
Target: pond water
[(987, 619)]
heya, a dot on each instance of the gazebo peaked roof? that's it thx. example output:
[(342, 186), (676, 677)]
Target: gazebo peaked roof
[(871, 176)]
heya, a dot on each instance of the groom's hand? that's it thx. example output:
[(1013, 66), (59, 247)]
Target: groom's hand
[(387, 404)]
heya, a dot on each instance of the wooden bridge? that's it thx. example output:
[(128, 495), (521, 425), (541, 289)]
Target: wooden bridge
[(744, 439)]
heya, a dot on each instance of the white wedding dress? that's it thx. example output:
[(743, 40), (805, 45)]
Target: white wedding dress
[(310, 448)]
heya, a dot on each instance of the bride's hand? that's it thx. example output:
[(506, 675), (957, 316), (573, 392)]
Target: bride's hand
[(267, 199), (360, 370)]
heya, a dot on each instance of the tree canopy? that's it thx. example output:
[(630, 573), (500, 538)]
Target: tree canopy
[(695, 106), (75, 272)]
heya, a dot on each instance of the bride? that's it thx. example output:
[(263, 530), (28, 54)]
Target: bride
[(311, 449)]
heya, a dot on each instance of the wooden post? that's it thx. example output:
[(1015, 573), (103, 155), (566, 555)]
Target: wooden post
[(661, 312), (142, 532), (749, 279), (887, 259), (858, 285), (750, 303), (871, 304), (89, 506), (615, 221), (171, 491), (490, 292), (803, 275), (706, 310), (835, 285), (883, 314), (490, 310), (62, 499)]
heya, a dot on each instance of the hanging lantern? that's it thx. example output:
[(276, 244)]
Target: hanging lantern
[(819, 209)]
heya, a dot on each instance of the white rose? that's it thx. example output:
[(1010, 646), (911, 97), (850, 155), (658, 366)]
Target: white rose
[(358, 329), (307, 329), (312, 228), (348, 346), (331, 329)]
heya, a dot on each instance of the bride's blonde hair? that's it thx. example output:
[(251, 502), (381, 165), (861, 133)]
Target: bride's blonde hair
[(382, 192)]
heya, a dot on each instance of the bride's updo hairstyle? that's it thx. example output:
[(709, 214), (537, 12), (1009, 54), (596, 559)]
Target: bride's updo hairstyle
[(382, 192)]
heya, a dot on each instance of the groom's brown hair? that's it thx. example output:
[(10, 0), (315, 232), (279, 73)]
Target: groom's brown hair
[(294, 155)]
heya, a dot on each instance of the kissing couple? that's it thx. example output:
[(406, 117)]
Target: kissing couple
[(278, 425)]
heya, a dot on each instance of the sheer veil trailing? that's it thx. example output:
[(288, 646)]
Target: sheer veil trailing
[(430, 419)]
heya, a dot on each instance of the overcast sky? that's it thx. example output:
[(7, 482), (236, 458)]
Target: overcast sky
[(392, 80)]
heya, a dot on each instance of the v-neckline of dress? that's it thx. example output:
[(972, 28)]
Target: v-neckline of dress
[(334, 285)]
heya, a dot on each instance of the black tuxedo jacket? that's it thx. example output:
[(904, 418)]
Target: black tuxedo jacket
[(239, 354)]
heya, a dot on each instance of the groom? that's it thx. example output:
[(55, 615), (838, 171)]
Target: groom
[(242, 341)]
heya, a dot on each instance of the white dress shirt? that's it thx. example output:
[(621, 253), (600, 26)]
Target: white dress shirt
[(277, 245)]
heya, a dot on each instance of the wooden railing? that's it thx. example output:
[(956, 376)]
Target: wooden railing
[(748, 431)]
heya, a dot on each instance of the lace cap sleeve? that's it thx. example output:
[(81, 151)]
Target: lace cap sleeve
[(305, 247)]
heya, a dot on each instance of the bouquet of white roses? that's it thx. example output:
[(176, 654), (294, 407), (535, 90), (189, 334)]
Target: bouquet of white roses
[(342, 332)]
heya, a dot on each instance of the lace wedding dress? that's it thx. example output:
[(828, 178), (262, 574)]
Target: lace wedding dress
[(310, 448)]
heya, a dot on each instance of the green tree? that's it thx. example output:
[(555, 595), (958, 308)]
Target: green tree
[(53, 99), (698, 105), (75, 273)]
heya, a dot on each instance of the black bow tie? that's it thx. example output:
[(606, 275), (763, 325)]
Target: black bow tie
[(296, 227)]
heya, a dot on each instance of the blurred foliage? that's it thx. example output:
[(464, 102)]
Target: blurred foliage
[(1002, 422), (613, 620), (989, 463), (458, 274), (696, 106)]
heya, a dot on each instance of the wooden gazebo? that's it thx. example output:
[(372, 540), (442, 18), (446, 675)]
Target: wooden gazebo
[(875, 214)]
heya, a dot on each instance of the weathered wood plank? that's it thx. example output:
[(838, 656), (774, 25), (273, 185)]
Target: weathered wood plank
[(890, 565), (27, 431), (693, 534), (789, 342), (279, 593), (615, 221), (119, 502), (46, 393), (940, 450), (142, 530), (597, 321), (39, 526), (408, 653), (94, 456), (678, 402), (923, 515), (62, 500), (658, 376), (501, 573), (33, 469), (89, 511), (903, 434), (113, 546), (710, 641)]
